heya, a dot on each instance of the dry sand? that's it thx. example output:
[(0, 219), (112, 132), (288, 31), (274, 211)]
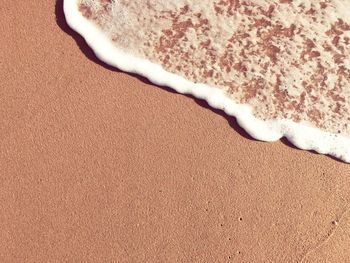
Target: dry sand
[(100, 166)]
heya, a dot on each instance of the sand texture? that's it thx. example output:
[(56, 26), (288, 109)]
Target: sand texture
[(101, 166)]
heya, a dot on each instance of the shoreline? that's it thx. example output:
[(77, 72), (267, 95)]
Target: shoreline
[(300, 135)]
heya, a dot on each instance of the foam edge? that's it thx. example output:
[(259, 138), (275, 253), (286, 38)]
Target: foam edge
[(301, 135)]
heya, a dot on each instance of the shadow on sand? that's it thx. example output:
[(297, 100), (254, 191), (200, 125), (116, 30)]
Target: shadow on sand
[(88, 52)]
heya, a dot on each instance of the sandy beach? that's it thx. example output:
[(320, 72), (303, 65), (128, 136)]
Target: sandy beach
[(101, 166)]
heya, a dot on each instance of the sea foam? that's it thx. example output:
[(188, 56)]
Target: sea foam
[(191, 47)]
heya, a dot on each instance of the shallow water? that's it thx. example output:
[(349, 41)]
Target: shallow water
[(286, 60)]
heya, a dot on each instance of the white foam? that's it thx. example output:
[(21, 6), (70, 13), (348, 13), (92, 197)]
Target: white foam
[(301, 135)]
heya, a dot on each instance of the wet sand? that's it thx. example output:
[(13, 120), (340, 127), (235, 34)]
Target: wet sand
[(101, 166)]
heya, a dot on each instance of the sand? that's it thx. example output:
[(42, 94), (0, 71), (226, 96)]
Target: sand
[(101, 166)]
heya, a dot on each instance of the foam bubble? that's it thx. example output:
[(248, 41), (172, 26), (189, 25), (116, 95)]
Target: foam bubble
[(280, 68)]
